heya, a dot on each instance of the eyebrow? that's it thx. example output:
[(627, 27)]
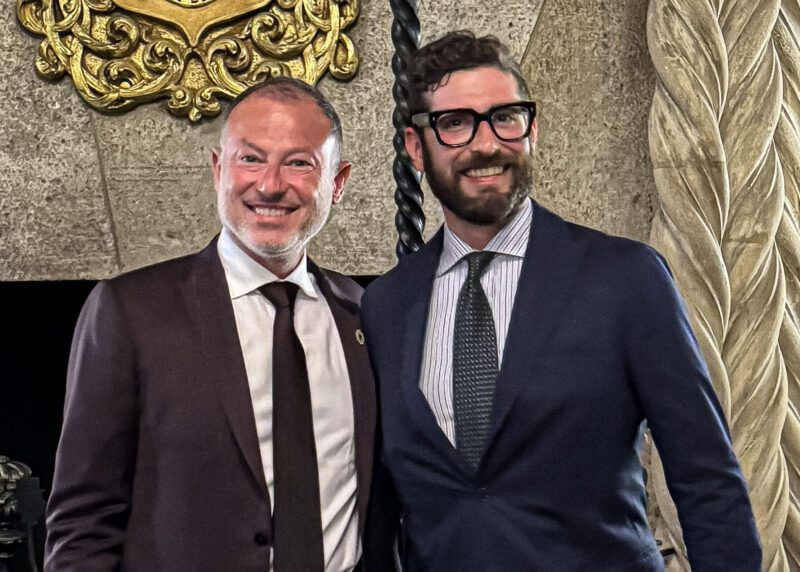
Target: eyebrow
[(247, 143), (475, 110)]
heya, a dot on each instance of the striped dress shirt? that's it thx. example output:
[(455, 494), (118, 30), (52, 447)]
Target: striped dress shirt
[(499, 282)]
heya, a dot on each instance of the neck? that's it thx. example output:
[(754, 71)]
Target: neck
[(477, 236), (281, 265)]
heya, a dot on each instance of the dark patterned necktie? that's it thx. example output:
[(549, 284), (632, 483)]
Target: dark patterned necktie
[(474, 362), (297, 523)]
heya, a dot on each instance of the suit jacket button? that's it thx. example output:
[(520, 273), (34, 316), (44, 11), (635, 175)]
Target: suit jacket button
[(260, 539)]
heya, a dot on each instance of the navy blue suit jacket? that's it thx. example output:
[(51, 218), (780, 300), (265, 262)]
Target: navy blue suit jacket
[(599, 342)]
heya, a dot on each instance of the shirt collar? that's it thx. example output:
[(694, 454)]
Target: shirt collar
[(511, 240), (245, 275)]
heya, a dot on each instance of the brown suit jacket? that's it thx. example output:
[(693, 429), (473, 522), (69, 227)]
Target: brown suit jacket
[(158, 467)]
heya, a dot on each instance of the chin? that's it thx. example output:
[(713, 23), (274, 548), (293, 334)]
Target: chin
[(262, 247), (274, 250)]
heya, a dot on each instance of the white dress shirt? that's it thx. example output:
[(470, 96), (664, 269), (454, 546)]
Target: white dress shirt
[(499, 281), (331, 398)]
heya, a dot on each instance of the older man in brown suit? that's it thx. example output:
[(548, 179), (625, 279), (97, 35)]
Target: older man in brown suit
[(220, 410)]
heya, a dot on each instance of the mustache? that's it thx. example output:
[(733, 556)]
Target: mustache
[(499, 158)]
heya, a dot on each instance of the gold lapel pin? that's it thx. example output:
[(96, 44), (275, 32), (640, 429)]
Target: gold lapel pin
[(360, 337)]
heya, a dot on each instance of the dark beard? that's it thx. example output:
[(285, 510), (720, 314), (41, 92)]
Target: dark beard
[(495, 208)]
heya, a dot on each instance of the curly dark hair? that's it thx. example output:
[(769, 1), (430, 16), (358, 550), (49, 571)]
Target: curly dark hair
[(460, 50)]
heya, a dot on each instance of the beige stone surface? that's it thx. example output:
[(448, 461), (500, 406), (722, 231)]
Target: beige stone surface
[(159, 183), (90, 195), (592, 78), (54, 223)]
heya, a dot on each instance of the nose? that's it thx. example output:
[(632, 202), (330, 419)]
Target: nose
[(270, 181), (485, 140)]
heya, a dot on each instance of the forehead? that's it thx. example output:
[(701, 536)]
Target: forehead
[(278, 121), (478, 89)]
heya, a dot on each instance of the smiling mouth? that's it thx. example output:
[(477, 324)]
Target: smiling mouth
[(485, 172), (271, 211)]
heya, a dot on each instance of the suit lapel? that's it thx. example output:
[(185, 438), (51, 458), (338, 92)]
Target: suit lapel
[(552, 261), (209, 304), (343, 300), (420, 274)]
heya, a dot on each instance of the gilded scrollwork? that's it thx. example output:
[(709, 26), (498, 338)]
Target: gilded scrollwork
[(120, 53)]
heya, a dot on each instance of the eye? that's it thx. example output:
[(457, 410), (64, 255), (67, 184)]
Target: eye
[(509, 116), (300, 164), (248, 158), (455, 121)]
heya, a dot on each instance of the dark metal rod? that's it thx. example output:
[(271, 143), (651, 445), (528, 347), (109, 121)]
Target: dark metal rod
[(410, 219)]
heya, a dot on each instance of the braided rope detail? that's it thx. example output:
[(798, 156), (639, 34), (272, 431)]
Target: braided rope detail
[(691, 178), (410, 219), (713, 145), (751, 353), (787, 141)]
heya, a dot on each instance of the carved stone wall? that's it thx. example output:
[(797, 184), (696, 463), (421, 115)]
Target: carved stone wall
[(86, 195), (724, 144)]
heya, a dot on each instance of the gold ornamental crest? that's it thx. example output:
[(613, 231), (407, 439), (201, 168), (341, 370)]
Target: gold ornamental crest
[(121, 53)]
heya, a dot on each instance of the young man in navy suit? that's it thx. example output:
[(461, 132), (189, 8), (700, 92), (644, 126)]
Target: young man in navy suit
[(519, 357)]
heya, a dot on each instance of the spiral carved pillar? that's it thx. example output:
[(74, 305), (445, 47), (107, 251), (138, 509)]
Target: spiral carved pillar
[(715, 143), (787, 141), (751, 352)]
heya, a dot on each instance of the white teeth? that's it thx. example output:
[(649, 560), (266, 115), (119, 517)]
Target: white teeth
[(488, 172), (265, 211)]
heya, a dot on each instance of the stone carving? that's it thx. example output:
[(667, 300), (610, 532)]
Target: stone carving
[(787, 141), (121, 53), (751, 352), (715, 141)]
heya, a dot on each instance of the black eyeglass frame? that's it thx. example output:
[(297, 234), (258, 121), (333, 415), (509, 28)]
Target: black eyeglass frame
[(428, 119)]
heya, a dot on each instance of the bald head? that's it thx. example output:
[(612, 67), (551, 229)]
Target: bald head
[(287, 89)]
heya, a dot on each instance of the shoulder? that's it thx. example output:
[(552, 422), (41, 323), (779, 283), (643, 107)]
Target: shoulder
[(387, 282), (603, 242), (411, 271), (346, 285), (153, 277), (154, 273), (337, 287), (601, 250), (156, 283)]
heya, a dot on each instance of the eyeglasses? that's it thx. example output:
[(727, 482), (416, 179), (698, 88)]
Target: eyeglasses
[(457, 127)]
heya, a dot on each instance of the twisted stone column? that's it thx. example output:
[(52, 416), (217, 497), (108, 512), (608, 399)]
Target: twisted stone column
[(712, 141), (692, 181), (787, 141), (751, 353)]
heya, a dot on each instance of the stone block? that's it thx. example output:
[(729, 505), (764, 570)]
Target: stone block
[(590, 71), (54, 220)]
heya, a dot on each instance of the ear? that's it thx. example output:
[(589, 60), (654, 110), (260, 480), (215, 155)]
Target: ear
[(216, 164), (339, 181), (534, 135), (414, 148)]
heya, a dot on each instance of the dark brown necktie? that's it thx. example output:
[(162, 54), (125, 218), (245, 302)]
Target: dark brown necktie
[(297, 524), (474, 362)]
